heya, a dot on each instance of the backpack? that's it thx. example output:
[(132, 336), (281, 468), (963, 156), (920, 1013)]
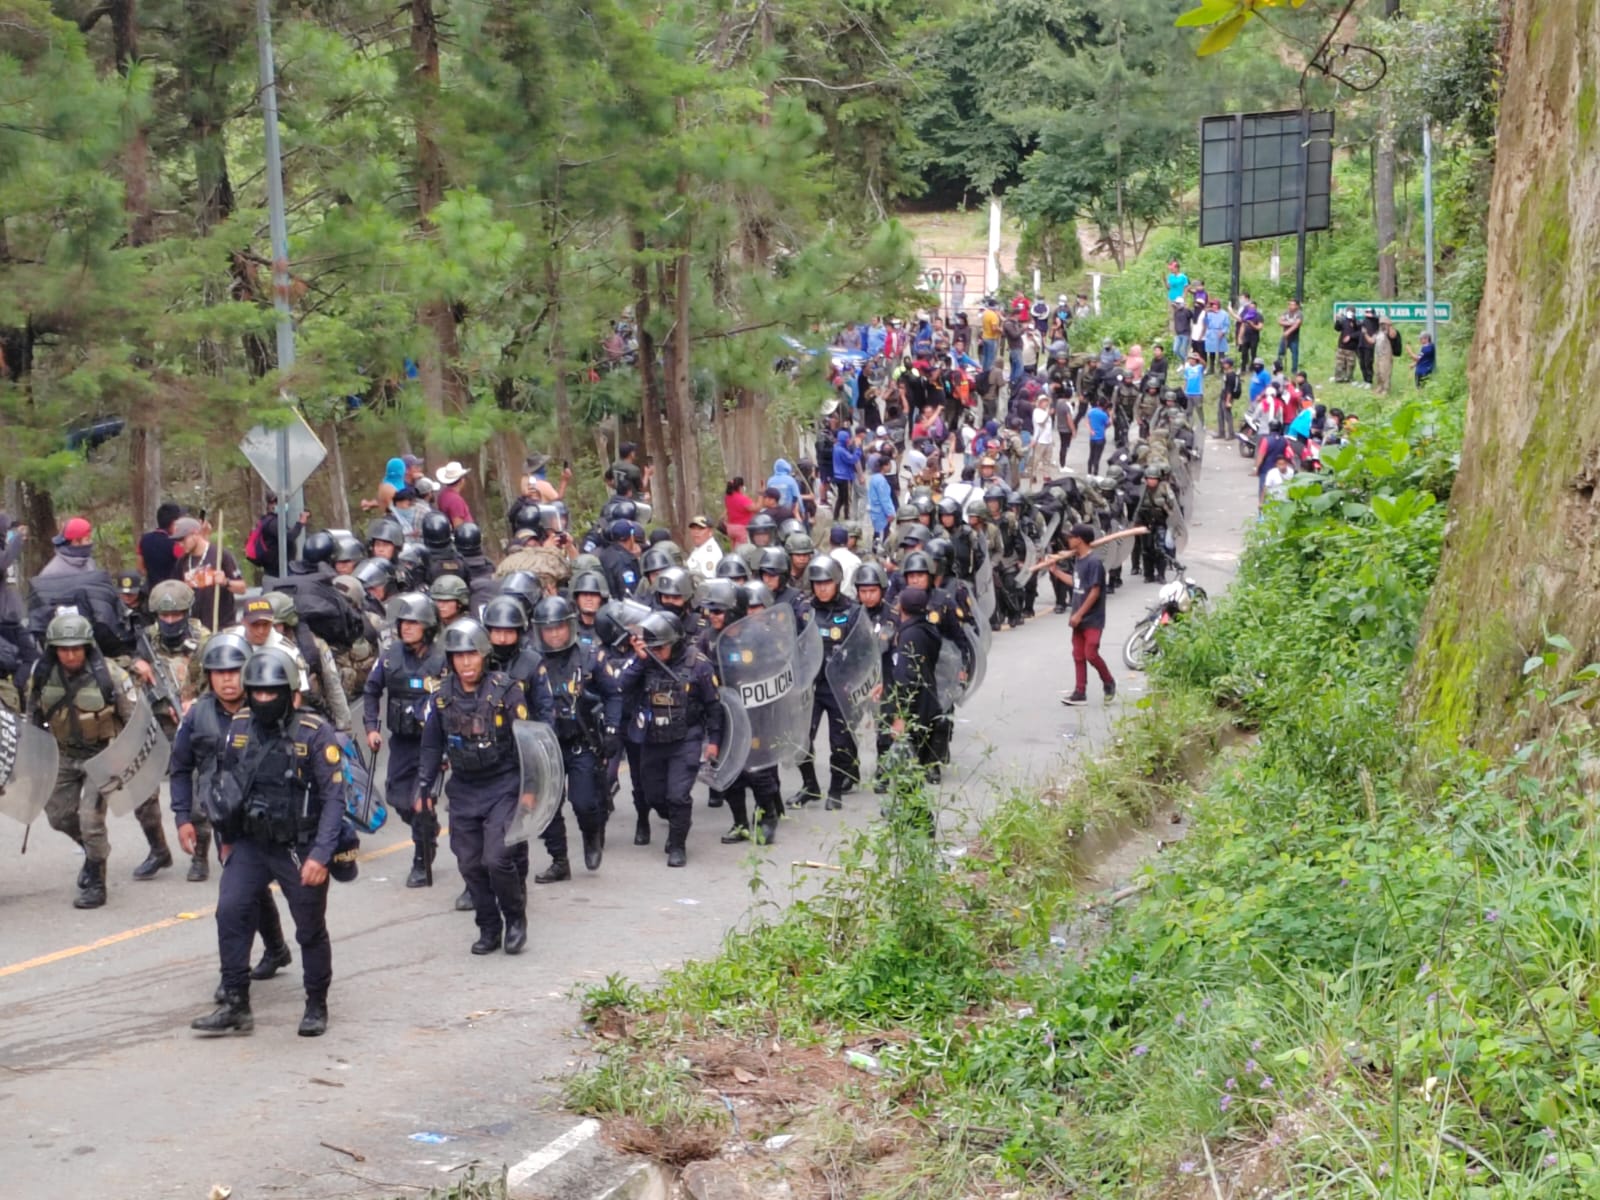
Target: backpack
[(255, 547)]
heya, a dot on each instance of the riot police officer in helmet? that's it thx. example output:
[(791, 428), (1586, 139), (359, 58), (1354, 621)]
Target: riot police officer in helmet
[(470, 727), (278, 806)]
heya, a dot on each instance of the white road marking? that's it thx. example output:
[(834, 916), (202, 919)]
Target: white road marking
[(569, 1141)]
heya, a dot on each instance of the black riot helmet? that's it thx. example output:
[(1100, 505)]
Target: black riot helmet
[(346, 548), (675, 582), (590, 582), (731, 566), (386, 529), (923, 505), (757, 595), (915, 535), (418, 607), (825, 568), (609, 624), (660, 629), (552, 614), (225, 652), (996, 491), (718, 595), (270, 669), (949, 506), (469, 538), (411, 566), (917, 561), (505, 612), (870, 574), (318, 547), (655, 559), (788, 527), (762, 523), (436, 534), (466, 636), (525, 586), (374, 572), (943, 552), (774, 561)]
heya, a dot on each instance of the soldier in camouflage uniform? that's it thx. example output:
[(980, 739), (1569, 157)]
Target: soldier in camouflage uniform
[(152, 676), (355, 661), (84, 701), (177, 641), (541, 556), (326, 694), (1156, 505)]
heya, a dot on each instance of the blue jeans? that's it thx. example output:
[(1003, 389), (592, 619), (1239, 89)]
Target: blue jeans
[(988, 351), (1180, 347), (1292, 345)]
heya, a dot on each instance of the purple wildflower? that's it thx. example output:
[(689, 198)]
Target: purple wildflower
[(1548, 1134), (1492, 915), (1383, 1170), (1229, 1084), (1550, 1160), (1178, 1020), (1205, 1003), (1266, 1083), (1256, 1045), (1186, 1167), (1141, 1050), (1249, 1066), (1225, 1103)]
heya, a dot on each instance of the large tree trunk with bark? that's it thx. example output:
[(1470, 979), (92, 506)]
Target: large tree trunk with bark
[(655, 451), (1522, 551)]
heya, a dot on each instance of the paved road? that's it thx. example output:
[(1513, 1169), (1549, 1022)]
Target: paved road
[(105, 1088)]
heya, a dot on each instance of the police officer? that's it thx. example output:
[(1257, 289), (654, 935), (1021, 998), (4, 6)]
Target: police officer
[(411, 669), (385, 537), (589, 592), (723, 603), (679, 713), (567, 697), (913, 694), (439, 541), (620, 558), (278, 807), (674, 589), (872, 588), (450, 596), (476, 568), (774, 570), (84, 701), (833, 616), (800, 548), (762, 532), (196, 751), (470, 726), (1156, 505)]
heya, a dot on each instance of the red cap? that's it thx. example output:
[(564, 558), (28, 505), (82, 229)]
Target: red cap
[(76, 529)]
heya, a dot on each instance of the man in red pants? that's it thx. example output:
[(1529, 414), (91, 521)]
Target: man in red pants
[(1088, 619)]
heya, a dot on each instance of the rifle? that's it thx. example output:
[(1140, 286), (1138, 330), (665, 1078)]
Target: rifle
[(165, 689), (1051, 559), (428, 842)]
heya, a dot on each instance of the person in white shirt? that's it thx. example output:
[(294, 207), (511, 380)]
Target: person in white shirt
[(1276, 484), (839, 550), (1042, 460), (703, 559)]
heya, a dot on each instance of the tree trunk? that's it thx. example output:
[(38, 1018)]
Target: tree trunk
[(649, 392), (444, 388), (557, 354), (1522, 548), (683, 434), (338, 485)]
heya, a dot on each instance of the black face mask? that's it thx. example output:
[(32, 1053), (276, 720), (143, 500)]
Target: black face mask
[(501, 656), (272, 712), (173, 633)]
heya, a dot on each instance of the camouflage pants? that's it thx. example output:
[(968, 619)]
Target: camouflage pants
[(81, 814), (355, 664)]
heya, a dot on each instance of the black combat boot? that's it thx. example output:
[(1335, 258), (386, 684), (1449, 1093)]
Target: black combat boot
[(315, 1021), (159, 859), (92, 890), (557, 872), (488, 941), (714, 800), (594, 848), (676, 856), (517, 932), (421, 872), (464, 901), (200, 860), (767, 828), (641, 831), (273, 960), (232, 1015)]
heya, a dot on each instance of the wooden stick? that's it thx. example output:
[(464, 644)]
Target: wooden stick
[(1051, 559), (216, 592), (820, 866), (342, 1150)]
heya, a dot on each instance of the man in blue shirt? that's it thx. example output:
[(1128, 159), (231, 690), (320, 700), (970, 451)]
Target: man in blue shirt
[(1259, 380), (1194, 383), (1098, 419)]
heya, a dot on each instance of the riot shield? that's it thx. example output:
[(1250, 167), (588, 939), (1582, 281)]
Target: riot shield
[(1030, 556), (979, 635), (130, 770), (29, 759), (756, 659), (363, 794), (808, 654), (1177, 534), (544, 776), (855, 676), (1050, 527), (631, 613), (947, 683), (734, 752), (1182, 481), (983, 590)]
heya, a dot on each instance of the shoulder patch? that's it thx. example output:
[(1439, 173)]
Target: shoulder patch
[(522, 712), (240, 741), (933, 615), (331, 754)]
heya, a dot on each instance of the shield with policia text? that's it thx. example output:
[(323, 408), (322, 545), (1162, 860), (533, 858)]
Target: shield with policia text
[(130, 770), (756, 658), (544, 777), (855, 676), (29, 759)]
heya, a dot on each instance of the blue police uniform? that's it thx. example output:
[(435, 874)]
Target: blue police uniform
[(411, 679), (831, 620), (567, 696)]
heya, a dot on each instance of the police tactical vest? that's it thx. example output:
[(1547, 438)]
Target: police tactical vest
[(477, 726), (409, 681), (266, 791), (563, 676), (668, 698), (208, 731)]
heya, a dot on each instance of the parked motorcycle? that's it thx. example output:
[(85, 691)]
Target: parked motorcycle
[(1181, 599), (1248, 434)]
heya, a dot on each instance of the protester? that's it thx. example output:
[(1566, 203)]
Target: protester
[(211, 573), (450, 501), (737, 509)]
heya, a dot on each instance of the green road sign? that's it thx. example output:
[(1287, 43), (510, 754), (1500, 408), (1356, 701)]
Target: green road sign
[(1397, 310)]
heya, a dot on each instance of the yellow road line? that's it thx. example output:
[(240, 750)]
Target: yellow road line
[(44, 960)]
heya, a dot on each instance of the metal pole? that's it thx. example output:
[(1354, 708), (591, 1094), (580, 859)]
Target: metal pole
[(1236, 208), (1305, 188), (279, 225), (1427, 227)]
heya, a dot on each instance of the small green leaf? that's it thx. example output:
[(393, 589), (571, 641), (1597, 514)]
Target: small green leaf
[(1559, 642), (1222, 36), (1209, 12), (1532, 663)]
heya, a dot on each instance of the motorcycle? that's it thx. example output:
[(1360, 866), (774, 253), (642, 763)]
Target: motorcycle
[(1249, 434), (1181, 598)]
